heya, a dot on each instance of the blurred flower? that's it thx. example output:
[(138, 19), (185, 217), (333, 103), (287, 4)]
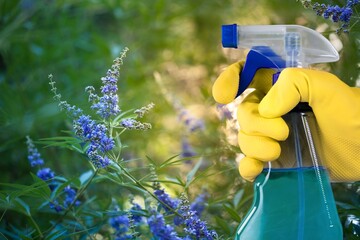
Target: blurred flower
[(190, 122), (334, 12), (136, 207), (121, 226), (68, 200), (154, 177), (198, 206), (46, 174), (159, 229), (224, 112), (142, 111), (56, 206), (186, 149), (128, 123), (33, 154), (131, 123), (70, 195), (125, 222), (167, 202), (108, 104)]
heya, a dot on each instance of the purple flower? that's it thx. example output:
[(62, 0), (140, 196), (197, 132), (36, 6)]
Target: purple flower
[(196, 227), (160, 229), (34, 156), (167, 202), (96, 158), (129, 123), (97, 136), (193, 225), (187, 150), (352, 3), (198, 205), (45, 174), (108, 104), (224, 112), (136, 207), (346, 14), (70, 195), (335, 12), (83, 126), (56, 206), (121, 226), (190, 122)]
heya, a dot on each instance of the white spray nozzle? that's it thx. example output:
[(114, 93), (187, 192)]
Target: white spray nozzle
[(297, 45)]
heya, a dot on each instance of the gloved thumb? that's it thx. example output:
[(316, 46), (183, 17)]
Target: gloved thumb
[(226, 85)]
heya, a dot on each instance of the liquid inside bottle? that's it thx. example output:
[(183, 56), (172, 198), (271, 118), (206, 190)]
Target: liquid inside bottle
[(293, 198)]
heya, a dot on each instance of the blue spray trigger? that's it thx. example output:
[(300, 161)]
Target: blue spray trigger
[(259, 57)]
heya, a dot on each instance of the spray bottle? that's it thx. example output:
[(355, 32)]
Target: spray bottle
[(292, 196)]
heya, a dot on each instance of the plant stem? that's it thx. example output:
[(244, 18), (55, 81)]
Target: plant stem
[(139, 184), (74, 201), (36, 226)]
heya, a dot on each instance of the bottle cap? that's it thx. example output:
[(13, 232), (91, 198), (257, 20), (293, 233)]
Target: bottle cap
[(230, 36)]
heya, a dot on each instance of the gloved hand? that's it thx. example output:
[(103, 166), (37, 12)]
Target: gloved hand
[(336, 107)]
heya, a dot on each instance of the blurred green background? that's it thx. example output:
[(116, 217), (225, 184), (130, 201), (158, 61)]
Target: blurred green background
[(175, 56)]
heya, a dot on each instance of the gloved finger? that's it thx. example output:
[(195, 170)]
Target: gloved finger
[(250, 168), (259, 147), (226, 85), (263, 80), (251, 122), (286, 93), (320, 89)]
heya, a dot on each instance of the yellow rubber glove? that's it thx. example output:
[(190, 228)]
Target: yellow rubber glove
[(336, 107)]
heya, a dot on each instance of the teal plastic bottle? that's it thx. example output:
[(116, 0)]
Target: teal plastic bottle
[(293, 199)]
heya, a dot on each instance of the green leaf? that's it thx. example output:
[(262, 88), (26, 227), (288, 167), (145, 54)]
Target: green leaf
[(169, 161), (234, 215), (245, 200), (17, 233), (43, 188), (134, 187), (21, 206), (122, 115), (176, 181), (205, 174), (151, 161), (70, 142), (114, 177), (224, 225), (38, 189), (115, 167), (84, 178), (11, 234), (59, 190), (190, 176), (56, 234), (346, 206), (237, 198)]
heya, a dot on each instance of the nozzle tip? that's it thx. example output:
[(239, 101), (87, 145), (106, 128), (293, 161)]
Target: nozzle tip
[(230, 36)]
